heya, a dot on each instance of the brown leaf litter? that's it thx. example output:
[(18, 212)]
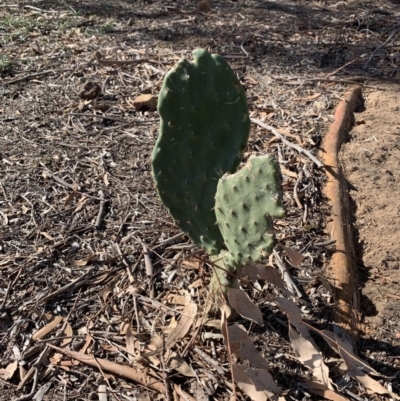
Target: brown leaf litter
[(100, 294)]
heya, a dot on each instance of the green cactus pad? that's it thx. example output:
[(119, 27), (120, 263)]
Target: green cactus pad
[(204, 130), (245, 204)]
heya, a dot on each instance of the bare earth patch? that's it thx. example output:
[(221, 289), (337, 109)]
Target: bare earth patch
[(371, 161)]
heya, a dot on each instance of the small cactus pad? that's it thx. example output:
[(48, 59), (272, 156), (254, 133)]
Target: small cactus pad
[(245, 204), (204, 130)]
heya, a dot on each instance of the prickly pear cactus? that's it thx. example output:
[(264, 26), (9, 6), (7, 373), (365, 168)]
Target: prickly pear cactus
[(245, 204), (204, 130)]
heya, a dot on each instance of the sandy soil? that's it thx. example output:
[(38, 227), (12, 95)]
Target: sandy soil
[(371, 161)]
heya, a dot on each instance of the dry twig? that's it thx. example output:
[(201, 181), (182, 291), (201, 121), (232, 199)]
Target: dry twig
[(286, 142)]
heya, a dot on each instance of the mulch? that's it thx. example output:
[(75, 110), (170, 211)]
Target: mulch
[(84, 239)]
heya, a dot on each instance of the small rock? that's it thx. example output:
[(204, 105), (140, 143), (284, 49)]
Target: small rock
[(145, 103)]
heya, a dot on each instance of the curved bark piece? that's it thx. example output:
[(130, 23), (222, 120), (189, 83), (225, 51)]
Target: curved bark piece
[(341, 271), (128, 372)]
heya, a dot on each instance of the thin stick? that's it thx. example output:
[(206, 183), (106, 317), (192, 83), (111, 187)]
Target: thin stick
[(61, 181), (286, 142), (103, 201), (379, 48), (5, 297), (296, 197), (169, 241), (341, 68), (125, 62), (149, 268), (286, 276), (165, 375), (34, 387), (34, 75), (130, 275), (72, 285), (150, 302), (32, 209)]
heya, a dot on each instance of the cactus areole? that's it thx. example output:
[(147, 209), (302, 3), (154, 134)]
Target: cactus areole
[(204, 131)]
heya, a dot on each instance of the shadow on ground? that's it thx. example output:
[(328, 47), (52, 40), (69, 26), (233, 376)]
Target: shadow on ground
[(294, 35)]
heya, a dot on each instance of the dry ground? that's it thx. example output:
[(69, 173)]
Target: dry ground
[(80, 216)]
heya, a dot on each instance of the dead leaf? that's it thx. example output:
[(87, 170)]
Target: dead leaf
[(372, 386), (130, 343), (85, 261), (55, 359), (9, 371), (303, 344), (82, 202), (175, 299), (106, 293), (248, 387), (171, 327), (185, 322), (261, 272), (342, 346), (242, 304), (196, 284), (49, 237), (68, 332), (310, 357), (41, 333), (70, 198), (145, 102), (191, 263), (90, 91), (85, 346), (243, 347), (356, 366), (323, 391), (293, 313), (263, 380), (179, 364), (288, 172), (295, 257)]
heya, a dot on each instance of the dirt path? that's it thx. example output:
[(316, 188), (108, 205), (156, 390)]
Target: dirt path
[(371, 161)]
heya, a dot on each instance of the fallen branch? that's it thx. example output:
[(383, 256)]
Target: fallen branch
[(341, 268), (128, 372), (286, 142)]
